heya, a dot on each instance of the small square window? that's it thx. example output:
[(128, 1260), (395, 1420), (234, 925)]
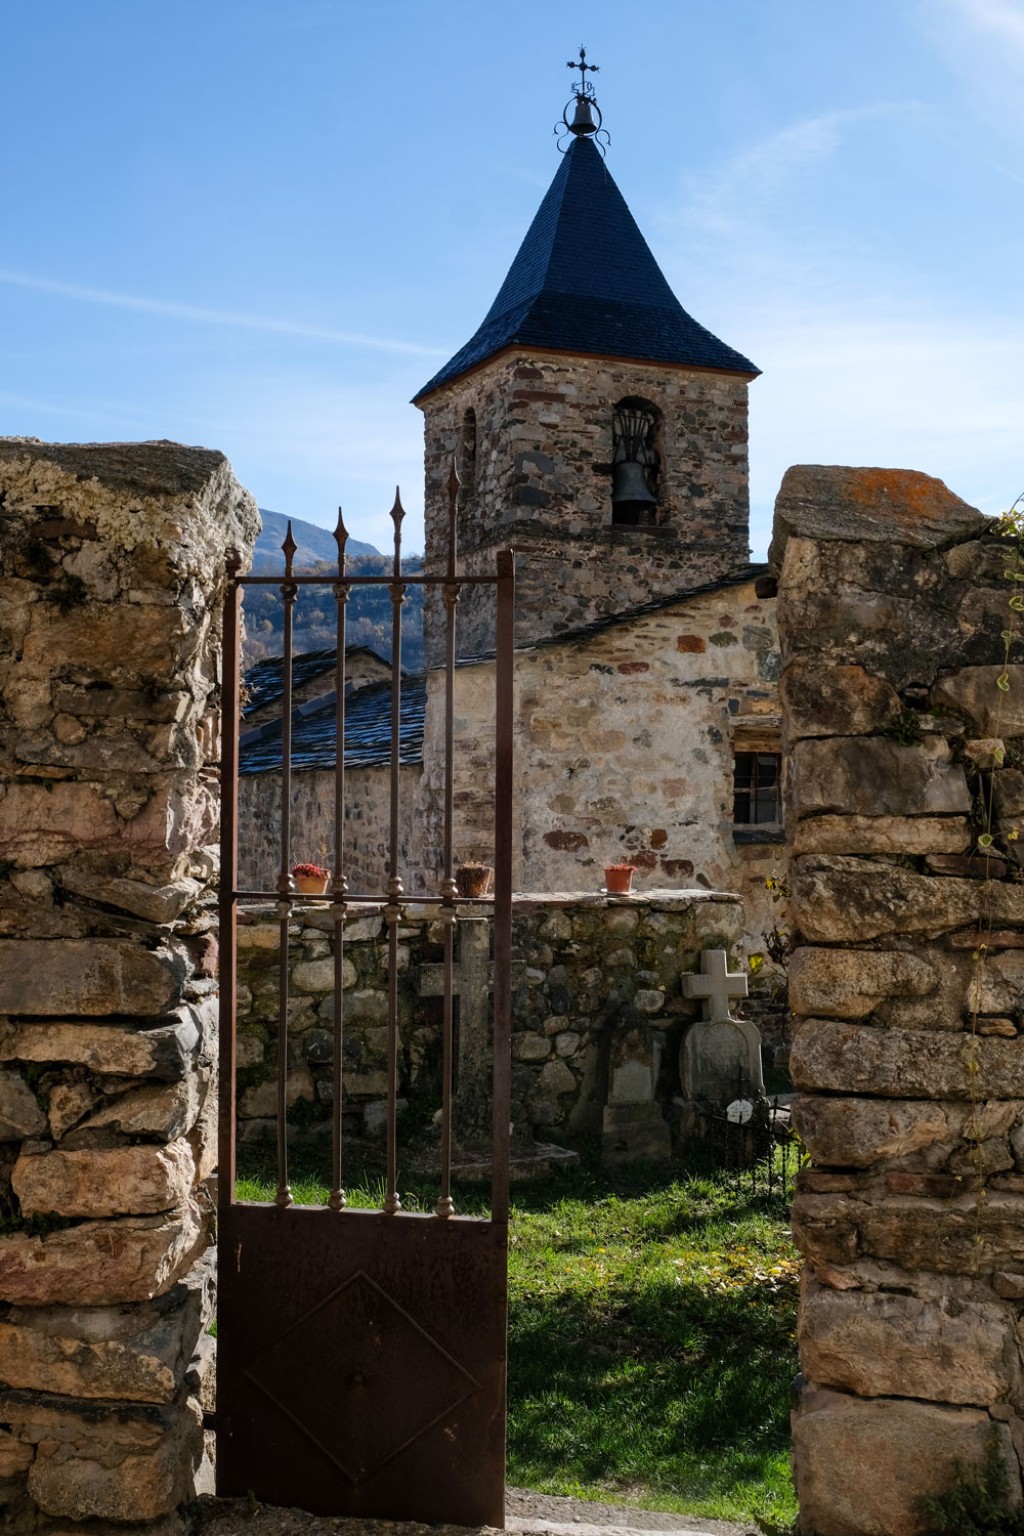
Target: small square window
[(756, 789)]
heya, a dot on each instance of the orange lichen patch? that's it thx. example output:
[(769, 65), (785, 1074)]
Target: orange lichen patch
[(903, 492), (902, 506), (694, 643)]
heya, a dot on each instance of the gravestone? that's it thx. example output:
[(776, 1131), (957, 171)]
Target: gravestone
[(472, 983), (633, 1122), (720, 1057)]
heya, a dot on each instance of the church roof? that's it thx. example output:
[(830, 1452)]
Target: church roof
[(367, 731), (264, 681), (585, 280)]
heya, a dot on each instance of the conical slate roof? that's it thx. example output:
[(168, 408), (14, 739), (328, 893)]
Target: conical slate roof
[(585, 281)]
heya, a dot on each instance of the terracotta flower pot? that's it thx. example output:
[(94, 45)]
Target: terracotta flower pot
[(312, 885), (473, 879), (618, 879)]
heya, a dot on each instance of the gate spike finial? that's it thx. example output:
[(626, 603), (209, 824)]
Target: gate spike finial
[(397, 513), (288, 549), (341, 539)]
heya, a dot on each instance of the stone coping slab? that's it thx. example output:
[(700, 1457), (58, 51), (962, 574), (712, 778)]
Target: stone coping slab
[(669, 900)]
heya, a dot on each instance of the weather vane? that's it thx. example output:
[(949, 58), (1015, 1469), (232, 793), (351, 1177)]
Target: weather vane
[(586, 122)]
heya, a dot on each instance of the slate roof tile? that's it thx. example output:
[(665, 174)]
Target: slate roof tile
[(264, 680), (367, 731)]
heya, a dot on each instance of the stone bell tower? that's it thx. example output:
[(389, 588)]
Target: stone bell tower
[(597, 427)]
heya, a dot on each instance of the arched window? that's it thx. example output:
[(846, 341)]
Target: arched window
[(467, 456), (635, 462)]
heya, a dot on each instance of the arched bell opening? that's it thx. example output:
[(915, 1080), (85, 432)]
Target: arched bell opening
[(636, 462)]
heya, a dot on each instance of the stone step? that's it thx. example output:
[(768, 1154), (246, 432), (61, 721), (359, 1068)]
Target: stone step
[(527, 1514)]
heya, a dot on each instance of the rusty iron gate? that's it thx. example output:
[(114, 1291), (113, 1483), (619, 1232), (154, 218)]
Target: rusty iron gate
[(361, 1353)]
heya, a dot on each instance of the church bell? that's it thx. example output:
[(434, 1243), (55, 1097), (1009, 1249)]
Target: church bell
[(583, 118), (630, 491)]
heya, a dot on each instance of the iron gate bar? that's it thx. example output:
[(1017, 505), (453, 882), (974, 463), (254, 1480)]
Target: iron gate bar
[(339, 889), (445, 1206), (409, 579), (285, 883), (409, 898), (501, 1033), (393, 910)]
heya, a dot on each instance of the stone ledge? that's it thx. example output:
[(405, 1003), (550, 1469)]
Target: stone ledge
[(830, 502)]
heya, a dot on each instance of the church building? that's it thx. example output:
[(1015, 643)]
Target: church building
[(601, 432)]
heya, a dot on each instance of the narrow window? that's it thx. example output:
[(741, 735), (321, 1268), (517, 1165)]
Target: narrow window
[(467, 456), (756, 789), (635, 462)]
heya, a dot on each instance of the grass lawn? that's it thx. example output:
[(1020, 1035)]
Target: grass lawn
[(651, 1350)]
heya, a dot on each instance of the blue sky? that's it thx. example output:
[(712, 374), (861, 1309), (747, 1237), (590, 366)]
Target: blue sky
[(261, 225)]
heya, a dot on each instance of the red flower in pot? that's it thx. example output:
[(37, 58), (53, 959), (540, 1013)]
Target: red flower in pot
[(311, 879)]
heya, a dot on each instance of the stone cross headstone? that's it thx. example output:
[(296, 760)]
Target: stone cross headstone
[(720, 1058), (472, 983)]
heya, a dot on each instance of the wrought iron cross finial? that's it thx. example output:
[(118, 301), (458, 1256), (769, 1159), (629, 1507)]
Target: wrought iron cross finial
[(582, 116), (584, 88)]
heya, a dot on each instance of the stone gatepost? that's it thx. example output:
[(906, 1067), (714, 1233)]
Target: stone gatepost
[(904, 734), (111, 559)]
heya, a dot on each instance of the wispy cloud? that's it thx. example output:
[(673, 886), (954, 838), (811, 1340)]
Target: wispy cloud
[(912, 394), (983, 44), (726, 196), (874, 350), (1003, 19), (203, 316), (101, 411)]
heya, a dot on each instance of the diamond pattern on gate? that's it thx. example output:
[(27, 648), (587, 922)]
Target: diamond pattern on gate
[(333, 1374)]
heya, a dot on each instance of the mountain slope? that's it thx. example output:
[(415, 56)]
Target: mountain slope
[(314, 543), (368, 615)]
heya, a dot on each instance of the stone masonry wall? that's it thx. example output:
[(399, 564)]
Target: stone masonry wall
[(624, 744), (904, 727), (111, 559), (596, 992), (543, 483), (367, 825)]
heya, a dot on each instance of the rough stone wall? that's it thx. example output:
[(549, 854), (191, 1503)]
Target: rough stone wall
[(596, 987), (905, 753), (624, 752), (367, 825), (111, 559), (542, 482)]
